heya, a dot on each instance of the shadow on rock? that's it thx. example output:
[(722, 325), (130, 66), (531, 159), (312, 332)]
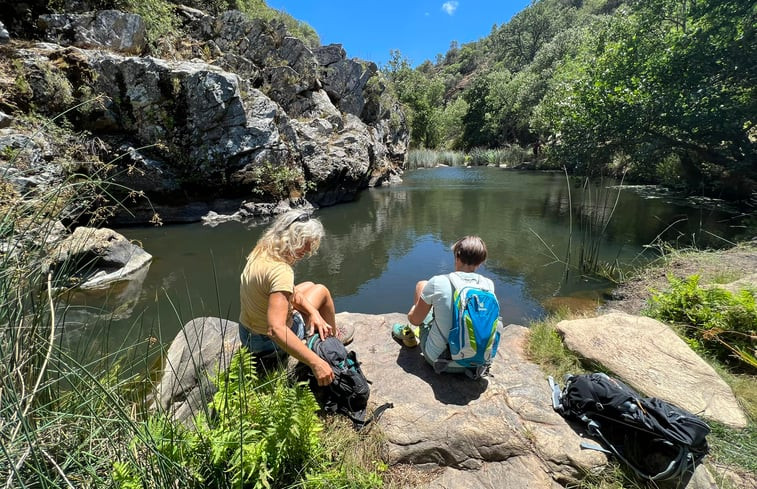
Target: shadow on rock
[(455, 389)]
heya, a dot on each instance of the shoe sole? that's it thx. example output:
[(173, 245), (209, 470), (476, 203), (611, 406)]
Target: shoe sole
[(401, 342)]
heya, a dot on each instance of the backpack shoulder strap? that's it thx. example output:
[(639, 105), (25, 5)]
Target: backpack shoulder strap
[(359, 424), (455, 282)]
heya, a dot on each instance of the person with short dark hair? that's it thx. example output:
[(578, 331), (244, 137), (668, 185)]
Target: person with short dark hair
[(432, 305)]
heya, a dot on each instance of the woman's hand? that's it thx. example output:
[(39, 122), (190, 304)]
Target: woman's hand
[(316, 322), (322, 372)]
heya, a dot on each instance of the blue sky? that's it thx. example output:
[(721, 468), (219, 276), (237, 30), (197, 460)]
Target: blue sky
[(420, 29)]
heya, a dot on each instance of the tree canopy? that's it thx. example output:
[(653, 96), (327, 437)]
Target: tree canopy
[(661, 89)]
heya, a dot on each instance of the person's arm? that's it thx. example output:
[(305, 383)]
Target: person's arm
[(418, 312), (278, 308)]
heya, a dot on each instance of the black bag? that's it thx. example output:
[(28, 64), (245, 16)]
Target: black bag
[(656, 439), (349, 392)]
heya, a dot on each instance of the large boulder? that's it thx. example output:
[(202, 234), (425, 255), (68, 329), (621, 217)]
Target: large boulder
[(650, 357), (202, 347), (94, 258), (503, 421)]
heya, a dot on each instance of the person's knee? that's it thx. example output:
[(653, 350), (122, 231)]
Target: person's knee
[(318, 295), (322, 291), (304, 286)]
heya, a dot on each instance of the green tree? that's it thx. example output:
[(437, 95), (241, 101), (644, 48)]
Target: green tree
[(422, 96), (675, 79), (476, 133)]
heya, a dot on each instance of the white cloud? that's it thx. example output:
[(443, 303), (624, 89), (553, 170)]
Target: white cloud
[(450, 7)]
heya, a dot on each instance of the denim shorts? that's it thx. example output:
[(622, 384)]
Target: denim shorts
[(260, 343)]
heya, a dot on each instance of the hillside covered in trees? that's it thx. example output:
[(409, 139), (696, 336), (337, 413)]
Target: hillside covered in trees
[(664, 91)]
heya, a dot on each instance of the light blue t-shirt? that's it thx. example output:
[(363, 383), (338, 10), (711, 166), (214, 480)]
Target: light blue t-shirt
[(438, 293)]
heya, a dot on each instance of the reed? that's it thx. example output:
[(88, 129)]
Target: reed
[(429, 158), (511, 156)]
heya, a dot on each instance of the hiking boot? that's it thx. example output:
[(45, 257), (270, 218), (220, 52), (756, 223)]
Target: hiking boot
[(405, 335), (345, 333)]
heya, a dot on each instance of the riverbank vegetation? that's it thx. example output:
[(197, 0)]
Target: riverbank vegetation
[(661, 90), (717, 323), (509, 157)]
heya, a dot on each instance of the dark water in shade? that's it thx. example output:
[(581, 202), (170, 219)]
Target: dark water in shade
[(377, 247)]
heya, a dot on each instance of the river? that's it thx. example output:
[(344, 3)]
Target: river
[(378, 246)]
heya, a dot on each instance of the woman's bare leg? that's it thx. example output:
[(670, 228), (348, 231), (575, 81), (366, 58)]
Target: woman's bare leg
[(320, 297)]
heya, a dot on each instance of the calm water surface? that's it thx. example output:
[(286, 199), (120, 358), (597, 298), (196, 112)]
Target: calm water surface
[(377, 247)]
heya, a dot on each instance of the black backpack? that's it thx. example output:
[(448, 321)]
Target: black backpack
[(349, 392), (657, 440)]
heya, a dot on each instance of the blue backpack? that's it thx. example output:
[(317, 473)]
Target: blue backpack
[(474, 335)]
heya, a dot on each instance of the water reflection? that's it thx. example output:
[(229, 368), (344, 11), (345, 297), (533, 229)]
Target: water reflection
[(377, 247)]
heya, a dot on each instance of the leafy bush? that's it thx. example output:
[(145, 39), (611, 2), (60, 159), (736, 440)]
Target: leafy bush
[(281, 181), (713, 320)]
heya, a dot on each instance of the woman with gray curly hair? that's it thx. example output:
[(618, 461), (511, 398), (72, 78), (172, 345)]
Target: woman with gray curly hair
[(276, 314)]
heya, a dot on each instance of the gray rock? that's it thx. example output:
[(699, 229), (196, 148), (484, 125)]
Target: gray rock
[(108, 29), (345, 81), (202, 347), (96, 258), (4, 35), (29, 169), (514, 473), (136, 170), (650, 357), (5, 120), (328, 55), (438, 419)]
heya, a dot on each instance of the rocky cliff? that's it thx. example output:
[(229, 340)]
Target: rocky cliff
[(244, 115)]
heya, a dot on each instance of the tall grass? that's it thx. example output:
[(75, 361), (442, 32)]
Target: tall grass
[(48, 400), (509, 156), (593, 213), (429, 158)]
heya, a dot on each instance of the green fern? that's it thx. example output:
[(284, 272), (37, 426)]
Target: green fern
[(713, 320)]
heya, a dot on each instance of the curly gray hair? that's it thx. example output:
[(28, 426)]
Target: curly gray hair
[(288, 234)]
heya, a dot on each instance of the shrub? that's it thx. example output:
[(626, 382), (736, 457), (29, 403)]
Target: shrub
[(280, 181), (713, 320)]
